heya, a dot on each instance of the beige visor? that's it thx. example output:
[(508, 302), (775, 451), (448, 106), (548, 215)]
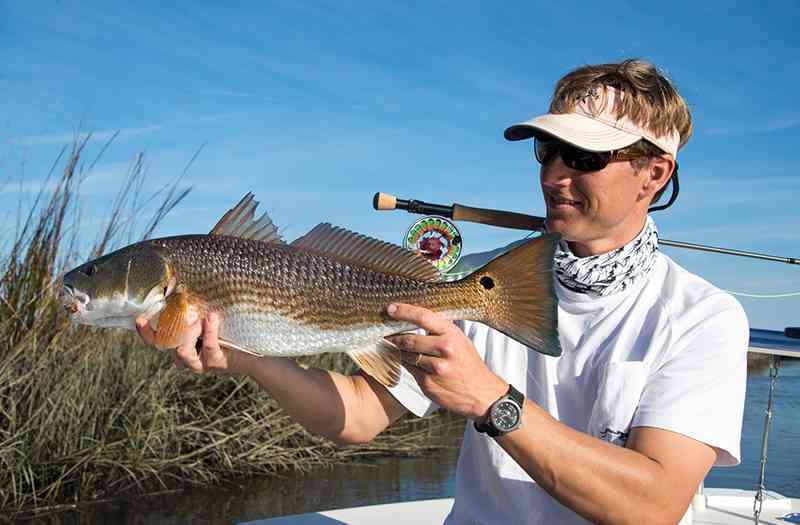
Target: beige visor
[(593, 126)]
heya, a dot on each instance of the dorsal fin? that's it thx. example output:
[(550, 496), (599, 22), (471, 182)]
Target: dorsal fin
[(359, 250), (240, 221)]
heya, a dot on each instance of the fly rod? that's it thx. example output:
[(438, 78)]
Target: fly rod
[(520, 221)]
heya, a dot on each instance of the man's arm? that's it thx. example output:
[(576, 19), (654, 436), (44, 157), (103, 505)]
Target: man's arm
[(344, 409), (650, 481)]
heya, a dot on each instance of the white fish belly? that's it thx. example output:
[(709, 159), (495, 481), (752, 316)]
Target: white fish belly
[(275, 335)]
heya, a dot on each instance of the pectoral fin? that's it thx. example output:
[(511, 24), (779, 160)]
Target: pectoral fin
[(174, 320), (381, 361)]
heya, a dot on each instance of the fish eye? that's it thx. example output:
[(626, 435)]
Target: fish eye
[(91, 270)]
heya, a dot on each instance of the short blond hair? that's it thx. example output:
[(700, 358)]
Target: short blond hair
[(650, 100)]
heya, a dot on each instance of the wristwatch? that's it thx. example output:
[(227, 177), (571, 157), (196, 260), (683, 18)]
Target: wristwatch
[(505, 414)]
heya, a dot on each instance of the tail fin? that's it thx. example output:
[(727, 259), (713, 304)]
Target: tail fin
[(521, 301)]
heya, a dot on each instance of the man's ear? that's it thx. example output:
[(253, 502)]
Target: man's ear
[(657, 174)]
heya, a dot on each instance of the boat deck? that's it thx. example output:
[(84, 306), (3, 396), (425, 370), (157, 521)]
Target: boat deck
[(714, 507)]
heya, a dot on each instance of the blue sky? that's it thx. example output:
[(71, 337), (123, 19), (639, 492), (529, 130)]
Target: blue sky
[(314, 106)]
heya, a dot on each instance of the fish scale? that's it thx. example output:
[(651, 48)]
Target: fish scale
[(271, 292)]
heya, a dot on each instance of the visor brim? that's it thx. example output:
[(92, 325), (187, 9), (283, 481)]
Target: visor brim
[(578, 130)]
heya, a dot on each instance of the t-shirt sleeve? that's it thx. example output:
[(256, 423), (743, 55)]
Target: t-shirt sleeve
[(408, 393), (699, 390)]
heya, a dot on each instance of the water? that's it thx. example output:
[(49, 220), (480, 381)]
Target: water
[(384, 481), (402, 479), (783, 465)]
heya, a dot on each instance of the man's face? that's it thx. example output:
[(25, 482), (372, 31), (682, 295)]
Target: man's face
[(595, 211)]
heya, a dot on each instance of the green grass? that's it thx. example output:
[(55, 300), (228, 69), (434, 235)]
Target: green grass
[(88, 414)]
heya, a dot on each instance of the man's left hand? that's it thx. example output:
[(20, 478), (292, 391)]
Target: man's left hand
[(445, 363)]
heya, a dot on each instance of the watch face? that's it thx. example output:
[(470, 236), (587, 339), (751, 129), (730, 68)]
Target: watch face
[(505, 416)]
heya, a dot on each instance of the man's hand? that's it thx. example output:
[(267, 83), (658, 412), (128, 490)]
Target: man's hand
[(445, 363), (211, 357)]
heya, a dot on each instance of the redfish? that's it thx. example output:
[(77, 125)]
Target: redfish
[(327, 291)]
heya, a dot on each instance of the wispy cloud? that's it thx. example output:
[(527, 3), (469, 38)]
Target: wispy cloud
[(228, 93), (68, 137), (28, 187), (96, 181), (775, 124)]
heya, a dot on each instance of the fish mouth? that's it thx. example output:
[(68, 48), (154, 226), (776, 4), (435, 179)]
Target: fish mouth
[(75, 302), (98, 311)]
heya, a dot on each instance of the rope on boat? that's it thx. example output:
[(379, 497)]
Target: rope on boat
[(775, 365)]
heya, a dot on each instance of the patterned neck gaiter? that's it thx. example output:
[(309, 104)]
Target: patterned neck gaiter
[(610, 272)]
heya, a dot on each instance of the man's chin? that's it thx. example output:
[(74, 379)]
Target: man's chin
[(568, 230), (558, 226)]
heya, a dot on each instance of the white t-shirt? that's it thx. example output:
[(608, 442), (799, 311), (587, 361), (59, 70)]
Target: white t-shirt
[(669, 352)]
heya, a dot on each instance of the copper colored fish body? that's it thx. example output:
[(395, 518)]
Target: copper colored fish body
[(326, 291)]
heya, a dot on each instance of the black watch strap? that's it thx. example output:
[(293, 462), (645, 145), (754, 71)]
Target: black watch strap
[(487, 427), (516, 395)]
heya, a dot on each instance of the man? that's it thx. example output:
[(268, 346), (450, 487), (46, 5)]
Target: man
[(649, 391)]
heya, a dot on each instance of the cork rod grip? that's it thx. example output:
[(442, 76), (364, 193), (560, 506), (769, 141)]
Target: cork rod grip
[(383, 202)]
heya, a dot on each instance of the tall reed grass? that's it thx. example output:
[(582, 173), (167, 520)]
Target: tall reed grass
[(90, 414)]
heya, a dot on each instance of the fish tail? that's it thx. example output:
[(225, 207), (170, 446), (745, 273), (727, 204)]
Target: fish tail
[(520, 299)]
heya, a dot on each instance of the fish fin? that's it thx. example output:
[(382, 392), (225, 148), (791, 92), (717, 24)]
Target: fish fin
[(224, 343), (523, 304), (381, 361), (240, 221), (172, 321), (359, 250)]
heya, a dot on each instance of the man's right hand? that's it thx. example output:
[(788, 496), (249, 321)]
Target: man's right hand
[(211, 357)]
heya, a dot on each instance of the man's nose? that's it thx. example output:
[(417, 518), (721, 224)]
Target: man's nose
[(555, 173)]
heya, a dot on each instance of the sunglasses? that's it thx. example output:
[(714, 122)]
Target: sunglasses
[(547, 149)]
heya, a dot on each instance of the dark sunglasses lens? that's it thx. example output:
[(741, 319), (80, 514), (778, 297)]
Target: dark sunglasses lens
[(578, 159), (545, 149), (582, 160)]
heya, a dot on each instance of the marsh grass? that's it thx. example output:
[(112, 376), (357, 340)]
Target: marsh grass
[(89, 414)]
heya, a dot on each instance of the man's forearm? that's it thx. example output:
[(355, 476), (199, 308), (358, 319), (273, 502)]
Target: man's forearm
[(602, 482), (323, 402)]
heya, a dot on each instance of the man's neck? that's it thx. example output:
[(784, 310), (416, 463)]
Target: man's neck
[(606, 244)]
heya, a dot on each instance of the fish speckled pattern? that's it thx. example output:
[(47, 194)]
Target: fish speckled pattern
[(279, 300)]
